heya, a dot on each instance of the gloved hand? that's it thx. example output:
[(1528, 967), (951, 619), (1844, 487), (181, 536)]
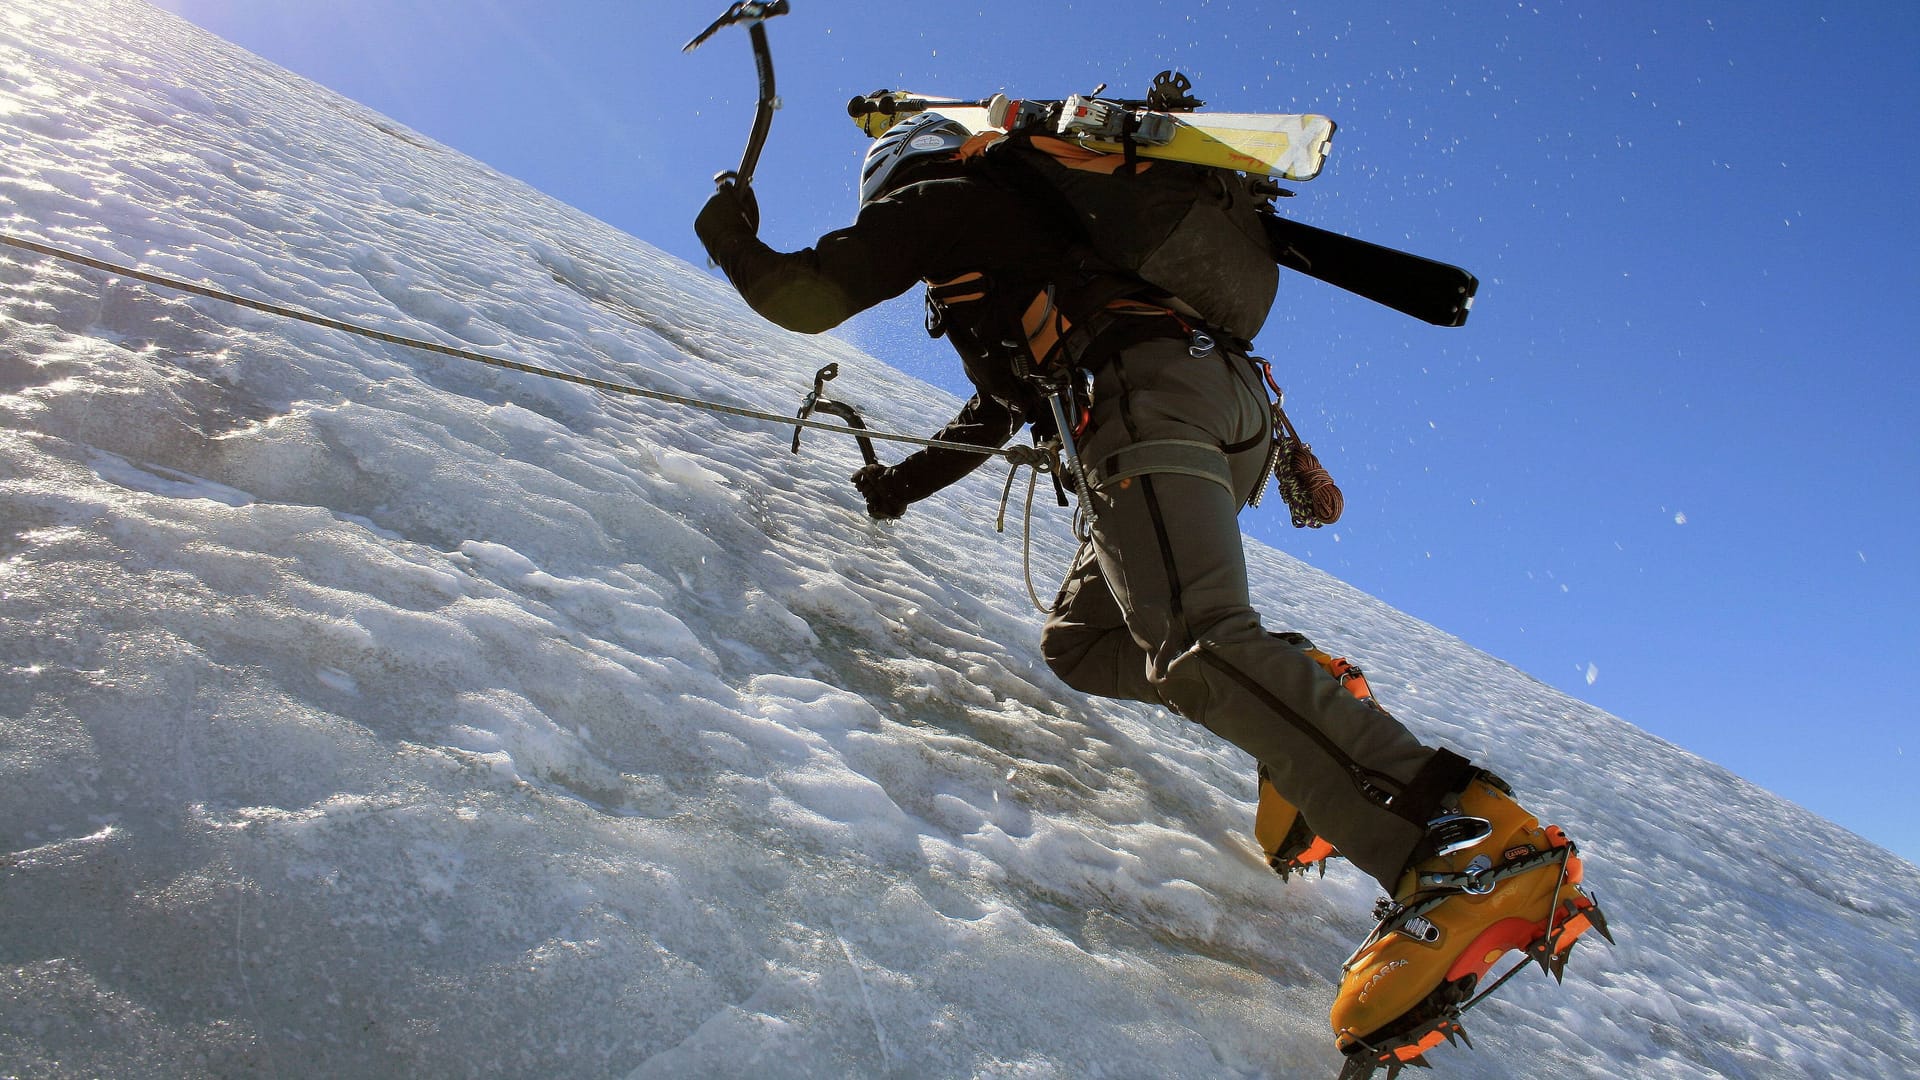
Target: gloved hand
[(732, 212), (876, 484)]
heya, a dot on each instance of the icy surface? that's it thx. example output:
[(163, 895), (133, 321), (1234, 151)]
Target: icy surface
[(374, 713)]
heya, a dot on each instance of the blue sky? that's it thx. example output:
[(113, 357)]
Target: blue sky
[(1669, 465)]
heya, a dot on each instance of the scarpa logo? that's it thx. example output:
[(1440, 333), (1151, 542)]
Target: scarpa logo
[(1378, 975)]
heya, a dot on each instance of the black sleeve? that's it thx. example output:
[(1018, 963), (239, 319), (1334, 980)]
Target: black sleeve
[(926, 230), (984, 422)]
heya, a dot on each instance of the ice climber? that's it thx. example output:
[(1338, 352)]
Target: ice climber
[(1174, 436)]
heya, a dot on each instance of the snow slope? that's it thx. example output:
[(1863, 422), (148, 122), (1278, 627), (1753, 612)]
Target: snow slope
[(371, 712)]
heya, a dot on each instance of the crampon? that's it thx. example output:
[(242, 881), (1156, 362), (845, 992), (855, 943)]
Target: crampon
[(1405, 1040), (1284, 835)]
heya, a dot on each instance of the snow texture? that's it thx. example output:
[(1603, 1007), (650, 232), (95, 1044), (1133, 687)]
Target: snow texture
[(369, 712)]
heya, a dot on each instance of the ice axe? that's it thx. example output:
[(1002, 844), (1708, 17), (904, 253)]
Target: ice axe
[(817, 401), (753, 14)]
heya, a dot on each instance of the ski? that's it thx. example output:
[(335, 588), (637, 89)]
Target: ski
[(1431, 291), (1287, 146)]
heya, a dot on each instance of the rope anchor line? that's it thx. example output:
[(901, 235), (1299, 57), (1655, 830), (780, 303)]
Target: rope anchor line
[(607, 386)]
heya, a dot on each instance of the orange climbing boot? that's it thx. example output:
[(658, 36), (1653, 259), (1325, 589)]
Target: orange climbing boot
[(1290, 844), (1490, 881), (1284, 835)]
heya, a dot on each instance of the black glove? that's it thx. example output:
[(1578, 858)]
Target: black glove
[(731, 213), (876, 484)]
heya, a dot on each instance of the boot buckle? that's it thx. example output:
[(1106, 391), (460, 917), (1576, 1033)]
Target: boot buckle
[(1478, 879), (1450, 834)]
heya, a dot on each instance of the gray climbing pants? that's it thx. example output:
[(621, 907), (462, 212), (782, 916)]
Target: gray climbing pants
[(1155, 607)]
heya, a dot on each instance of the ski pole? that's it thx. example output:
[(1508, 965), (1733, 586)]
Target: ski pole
[(753, 14)]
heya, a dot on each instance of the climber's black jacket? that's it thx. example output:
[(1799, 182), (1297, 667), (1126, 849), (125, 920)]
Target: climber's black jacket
[(935, 230)]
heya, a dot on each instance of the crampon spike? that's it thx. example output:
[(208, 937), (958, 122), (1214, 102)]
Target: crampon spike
[(1406, 1050), (1287, 868), (1599, 920), (1394, 1068)]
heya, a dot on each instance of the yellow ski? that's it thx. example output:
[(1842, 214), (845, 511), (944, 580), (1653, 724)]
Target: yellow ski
[(1290, 146)]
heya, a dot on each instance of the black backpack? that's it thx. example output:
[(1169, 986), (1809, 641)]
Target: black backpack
[(1189, 231)]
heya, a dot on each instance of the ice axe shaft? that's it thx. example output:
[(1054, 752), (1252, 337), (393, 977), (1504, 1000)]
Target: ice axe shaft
[(752, 15)]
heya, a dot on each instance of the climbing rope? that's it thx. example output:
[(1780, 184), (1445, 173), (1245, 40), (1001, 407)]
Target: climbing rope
[(1312, 498), (481, 358), (1036, 458)]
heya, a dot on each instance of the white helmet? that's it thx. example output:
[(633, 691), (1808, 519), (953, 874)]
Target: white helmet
[(920, 137)]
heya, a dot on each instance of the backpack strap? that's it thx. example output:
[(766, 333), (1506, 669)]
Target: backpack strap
[(1132, 314), (964, 289)]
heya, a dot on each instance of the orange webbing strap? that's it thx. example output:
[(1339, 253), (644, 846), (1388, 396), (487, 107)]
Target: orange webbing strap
[(1044, 325), (1349, 675), (1130, 306), (977, 145), (1049, 330), (1047, 326), (1075, 156), (959, 290)]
